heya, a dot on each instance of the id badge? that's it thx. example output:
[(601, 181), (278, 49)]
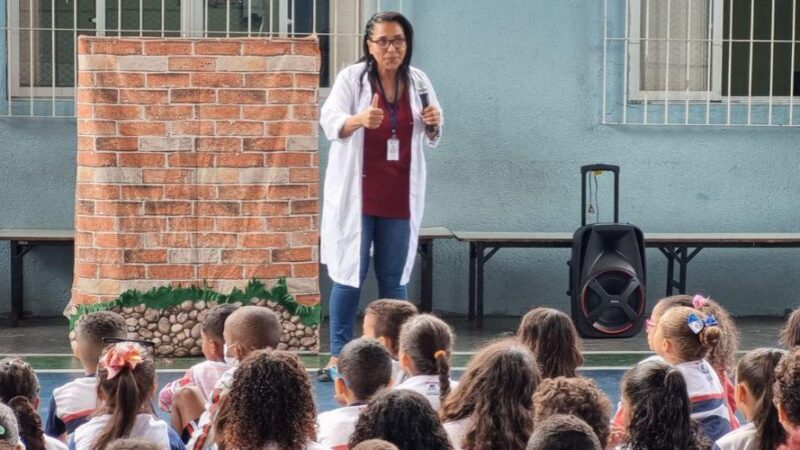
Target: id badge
[(393, 149)]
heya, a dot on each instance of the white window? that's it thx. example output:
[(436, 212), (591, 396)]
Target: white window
[(711, 62), (42, 34)]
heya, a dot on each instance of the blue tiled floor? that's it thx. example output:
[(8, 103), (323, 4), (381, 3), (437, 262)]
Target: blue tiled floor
[(608, 380)]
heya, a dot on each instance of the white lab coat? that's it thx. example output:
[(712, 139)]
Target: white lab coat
[(340, 235)]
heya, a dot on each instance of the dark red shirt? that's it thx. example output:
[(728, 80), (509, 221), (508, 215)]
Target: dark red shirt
[(384, 183)]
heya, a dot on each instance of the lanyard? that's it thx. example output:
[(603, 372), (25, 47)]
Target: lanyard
[(393, 111)]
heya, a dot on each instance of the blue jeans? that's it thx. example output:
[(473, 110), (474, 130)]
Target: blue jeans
[(390, 240)]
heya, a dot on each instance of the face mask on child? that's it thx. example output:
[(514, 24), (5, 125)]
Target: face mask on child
[(233, 361)]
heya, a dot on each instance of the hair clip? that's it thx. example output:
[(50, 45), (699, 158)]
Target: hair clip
[(699, 301), (439, 353), (2, 430), (697, 325), (120, 356)]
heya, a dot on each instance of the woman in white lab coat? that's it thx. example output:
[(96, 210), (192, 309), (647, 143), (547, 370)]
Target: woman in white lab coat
[(374, 190)]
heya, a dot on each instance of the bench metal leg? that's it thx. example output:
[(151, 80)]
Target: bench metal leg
[(682, 256), (479, 287), (17, 308), (425, 249), (473, 258)]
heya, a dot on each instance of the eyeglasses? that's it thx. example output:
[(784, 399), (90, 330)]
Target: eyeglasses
[(649, 325), (383, 44)]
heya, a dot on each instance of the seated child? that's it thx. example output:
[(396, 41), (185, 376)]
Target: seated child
[(403, 417), (74, 402), (786, 389), (755, 376), (552, 338), (790, 334), (375, 444), (657, 409), (563, 432), (270, 405), (9, 430), (425, 343), (202, 376), (382, 321), (126, 380), (364, 368), (246, 330), (579, 397), (19, 389), (494, 394)]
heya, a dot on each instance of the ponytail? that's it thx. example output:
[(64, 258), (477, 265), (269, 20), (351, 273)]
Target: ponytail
[(123, 405), (661, 412), (30, 425), (757, 371), (443, 369)]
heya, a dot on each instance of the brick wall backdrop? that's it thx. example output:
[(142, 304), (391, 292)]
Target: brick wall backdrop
[(197, 161)]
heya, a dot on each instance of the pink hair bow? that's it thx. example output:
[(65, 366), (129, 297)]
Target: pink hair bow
[(699, 301), (120, 356)]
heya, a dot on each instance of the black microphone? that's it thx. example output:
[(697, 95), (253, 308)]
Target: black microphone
[(423, 97)]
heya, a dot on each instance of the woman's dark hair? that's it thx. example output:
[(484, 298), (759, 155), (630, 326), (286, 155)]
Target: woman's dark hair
[(757, 370), (790, 334), (427, 340), (126, 394), (270, 402), (371, 68), (404, 418), (723, 355), (576, 396), (496, 391), (787, 385), (551, 336), (19, 389), (660, 409)]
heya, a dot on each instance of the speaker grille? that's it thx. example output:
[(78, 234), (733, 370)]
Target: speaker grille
[(612, 300)]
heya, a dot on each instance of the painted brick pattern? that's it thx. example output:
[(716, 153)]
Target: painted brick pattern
[(197, 162)]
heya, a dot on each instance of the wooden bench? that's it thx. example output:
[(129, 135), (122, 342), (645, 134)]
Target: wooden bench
[(679, 249), (22, 241)]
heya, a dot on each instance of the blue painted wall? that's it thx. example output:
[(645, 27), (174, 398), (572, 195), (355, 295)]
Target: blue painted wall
[(521, 85)]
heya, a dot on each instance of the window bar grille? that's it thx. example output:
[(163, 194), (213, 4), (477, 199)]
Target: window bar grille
[(119, 18), (141, 18), (688, 53), (227, 19), (771, 61), (750, 65), (666, 69), (730, 59), (53, 58), (250, 18), (314, 17), (163, 18), (709, 66), (605, 58), (625, 68), (75, 55), (334, 41), (30, 57), (293, 21), (791, 68), (646, 52)]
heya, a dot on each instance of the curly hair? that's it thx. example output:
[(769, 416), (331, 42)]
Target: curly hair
[(92, 328), (787, 385), (19, 389), (551, 336), (790, 333), (574, 396), (757, 371), (660, 409), (404, 418), (214, 324), (496, 392), (388, 317), (723, 356), (427, 340), (270, 402), (563, 432)]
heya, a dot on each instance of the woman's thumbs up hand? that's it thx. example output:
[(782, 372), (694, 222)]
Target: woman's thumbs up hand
[(372, 116)]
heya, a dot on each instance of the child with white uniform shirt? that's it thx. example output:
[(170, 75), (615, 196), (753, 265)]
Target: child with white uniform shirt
[(382, 321), (425, 343), (364, 368)]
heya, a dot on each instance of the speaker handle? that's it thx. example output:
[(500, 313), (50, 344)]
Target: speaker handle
[(599, 168)]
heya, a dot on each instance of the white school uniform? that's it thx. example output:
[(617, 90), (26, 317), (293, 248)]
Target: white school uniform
[(707, 397), (310, 445), (72, 404), (336, 427), (146, 427), (427, 385), (456, 430), (738, 439), (398, 374), (51, 443)]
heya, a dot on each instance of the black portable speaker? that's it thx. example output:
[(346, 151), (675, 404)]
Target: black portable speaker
[(607, 272)]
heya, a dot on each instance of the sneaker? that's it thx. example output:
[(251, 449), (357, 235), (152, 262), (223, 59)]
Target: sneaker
[(324, 376)]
